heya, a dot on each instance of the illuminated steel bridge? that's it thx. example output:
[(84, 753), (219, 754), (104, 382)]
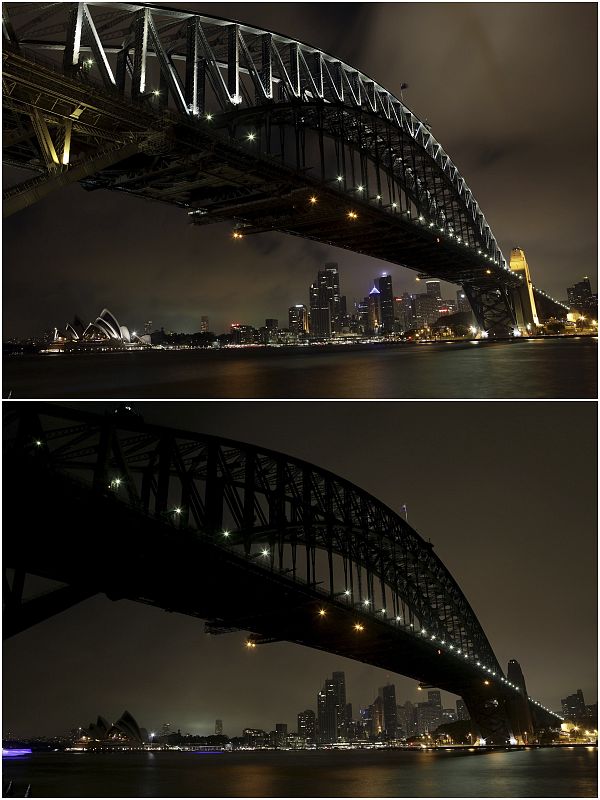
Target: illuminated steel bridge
[(246, 539), (235, 123)]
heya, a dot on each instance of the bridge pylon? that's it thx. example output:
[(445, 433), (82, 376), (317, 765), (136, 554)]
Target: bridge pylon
[(523, 297)]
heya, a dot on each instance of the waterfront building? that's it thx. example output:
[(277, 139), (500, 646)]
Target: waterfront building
[(298, 319), (281, 732), (573, 706), (105, 333), (255, 737), (386, 303), (581, 297), (243, 334), (406, 716), (449, 715), (166, 729), (307, 725), (461, 711)]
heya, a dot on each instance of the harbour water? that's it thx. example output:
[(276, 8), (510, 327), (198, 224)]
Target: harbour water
[(535, 368), (551, 772)]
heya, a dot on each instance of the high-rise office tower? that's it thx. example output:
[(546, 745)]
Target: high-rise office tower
[(339, 683), (434, 696), (377, 722), (406, 719), (281, 733), (461, 710), (388, 698), (374, 310), (298, 319), (429, 717), (386, 303), (204, 325), (405, 311), (329, 278), (219, 727), (307, 724), (434, 288), (320, 312), (580, 295), (573, 706), (271, 324), (426, 309), (327, 713)]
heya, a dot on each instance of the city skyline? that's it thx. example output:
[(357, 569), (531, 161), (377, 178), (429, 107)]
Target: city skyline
[(512, 570), (183, 266)]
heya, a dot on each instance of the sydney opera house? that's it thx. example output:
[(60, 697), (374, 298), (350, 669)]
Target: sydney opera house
[(125, 733), (104, 334)]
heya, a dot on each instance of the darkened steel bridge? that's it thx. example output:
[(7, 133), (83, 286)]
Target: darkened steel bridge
[(244, 538), (235, 123)]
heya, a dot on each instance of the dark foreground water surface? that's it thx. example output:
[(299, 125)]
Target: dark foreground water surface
[(535, 368), (531, 773)]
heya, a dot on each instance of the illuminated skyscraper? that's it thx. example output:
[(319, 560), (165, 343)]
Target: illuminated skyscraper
[(374, 311), (581, 297), (307, 724), (573, 706), (298, 319), (339, 682), (461, 710), (203, 325)]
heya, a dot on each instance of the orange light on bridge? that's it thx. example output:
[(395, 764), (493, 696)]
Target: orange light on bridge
[(250, 645), (322, 612), (237, 235), (487, 683), (359, 627), (313, 200), (352, 215)]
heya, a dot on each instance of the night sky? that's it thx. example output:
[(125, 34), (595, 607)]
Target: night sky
[(505, 491), (510, 91)]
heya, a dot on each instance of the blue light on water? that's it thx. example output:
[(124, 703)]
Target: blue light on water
[(14, 753)]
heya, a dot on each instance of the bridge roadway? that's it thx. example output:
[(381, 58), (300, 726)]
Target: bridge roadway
[(94, 542), (268, 133)]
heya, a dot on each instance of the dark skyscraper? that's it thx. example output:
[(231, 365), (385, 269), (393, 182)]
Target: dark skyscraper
[(327, 713), (386, 303), (219, 727), (461, 710), (339, 682), (320, 314), (573, 706), (434, 696), (390, 720)]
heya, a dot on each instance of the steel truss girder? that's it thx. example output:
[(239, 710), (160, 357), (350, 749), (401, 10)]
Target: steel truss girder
[(263, 497), (278, 68), (493, 306)]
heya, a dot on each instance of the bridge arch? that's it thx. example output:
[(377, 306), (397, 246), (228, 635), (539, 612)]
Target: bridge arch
[(168, 517), (170, 96)]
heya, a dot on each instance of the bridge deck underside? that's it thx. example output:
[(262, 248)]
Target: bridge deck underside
[(103, 544)]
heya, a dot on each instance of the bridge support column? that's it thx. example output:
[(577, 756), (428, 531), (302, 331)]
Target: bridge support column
[(493, 306), (491, 716)]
